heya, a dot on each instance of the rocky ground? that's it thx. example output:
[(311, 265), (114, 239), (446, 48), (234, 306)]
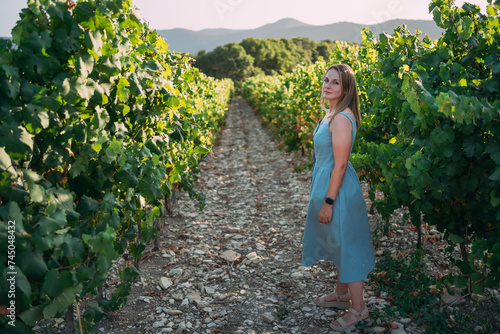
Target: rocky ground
[(235, 266)]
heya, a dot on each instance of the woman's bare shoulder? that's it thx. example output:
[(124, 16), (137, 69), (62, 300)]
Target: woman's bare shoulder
[(342, 119), (349, 112), (340, 122)]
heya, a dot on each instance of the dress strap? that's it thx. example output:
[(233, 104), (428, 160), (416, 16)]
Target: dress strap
[(350, 118), (317, 126), (354, 129)]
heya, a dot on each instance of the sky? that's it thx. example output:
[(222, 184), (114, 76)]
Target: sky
[(249, 14)]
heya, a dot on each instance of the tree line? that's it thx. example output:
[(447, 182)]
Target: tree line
[(256, 56)]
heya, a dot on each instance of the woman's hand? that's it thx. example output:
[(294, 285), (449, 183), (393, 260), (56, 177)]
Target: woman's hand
[(325, 214)]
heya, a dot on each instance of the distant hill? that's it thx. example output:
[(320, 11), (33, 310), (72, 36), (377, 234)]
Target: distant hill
[(184, 40)]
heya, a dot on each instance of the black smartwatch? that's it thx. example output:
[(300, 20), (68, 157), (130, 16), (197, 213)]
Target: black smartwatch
[(329, 201)]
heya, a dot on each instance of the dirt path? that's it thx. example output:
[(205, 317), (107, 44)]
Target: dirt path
[(235, 266)]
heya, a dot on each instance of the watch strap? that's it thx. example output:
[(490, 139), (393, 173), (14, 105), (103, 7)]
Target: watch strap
[(329, 200)]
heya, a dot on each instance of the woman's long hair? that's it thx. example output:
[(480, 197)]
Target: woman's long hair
[(350, 98)]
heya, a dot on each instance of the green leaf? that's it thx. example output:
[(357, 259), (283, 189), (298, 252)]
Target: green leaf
[(490, 10), (22, 283), (88, 204), (66, 278), (99, 120), (122, 90), (84, 11), (202, 150), (42, 242), (94, 312), (85, 64), (496, 175), (444, 72), (79, 166), (155, 160), (63, 230), (436, 13), (63, 199), (495, 201), (47, 225), (494, 151), (82, 89), (108, 203), (464, 267), (12, 212), (61, 302), (455, 239), (116, 146), (136, 250), (68, 42), (73, 247), (31, 176), (86, 238), (51, 284), (84, 273), (37, 193), (173, 102), (95, 40), (98, 144), (125, 109), (55, 158), (102, 242), (475, 276), (15, 139), (128, 274), (10, 83), (110, 65), (478, 288), (114, 220), (32, 264), (466, 28), (32, 315)]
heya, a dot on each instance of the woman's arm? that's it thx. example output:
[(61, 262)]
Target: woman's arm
[(341, 129)]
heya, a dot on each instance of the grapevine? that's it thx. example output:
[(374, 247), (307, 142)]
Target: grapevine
[(98, 121)]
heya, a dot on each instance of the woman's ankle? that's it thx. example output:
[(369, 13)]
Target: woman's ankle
[(342, 292), (358, 307)]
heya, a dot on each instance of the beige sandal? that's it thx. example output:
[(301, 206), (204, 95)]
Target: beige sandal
[(334, 303), (344, 328)]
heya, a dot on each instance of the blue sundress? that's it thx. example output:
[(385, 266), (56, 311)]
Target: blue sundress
[(346, 240)]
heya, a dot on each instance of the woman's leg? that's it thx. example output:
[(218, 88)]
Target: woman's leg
[(356, 291), (342, 288)]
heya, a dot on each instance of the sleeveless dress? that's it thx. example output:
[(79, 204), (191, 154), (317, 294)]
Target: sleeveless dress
[(346, 240)]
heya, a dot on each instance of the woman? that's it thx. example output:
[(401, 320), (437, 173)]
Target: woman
[(337, 226)]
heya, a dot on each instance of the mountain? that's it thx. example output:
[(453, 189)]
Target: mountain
[(184, 40)]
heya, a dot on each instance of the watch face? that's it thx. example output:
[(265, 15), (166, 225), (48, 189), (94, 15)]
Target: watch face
[(329, 201)]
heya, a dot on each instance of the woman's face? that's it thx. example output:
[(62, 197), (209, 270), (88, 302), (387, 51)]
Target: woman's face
[(332, 91)]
